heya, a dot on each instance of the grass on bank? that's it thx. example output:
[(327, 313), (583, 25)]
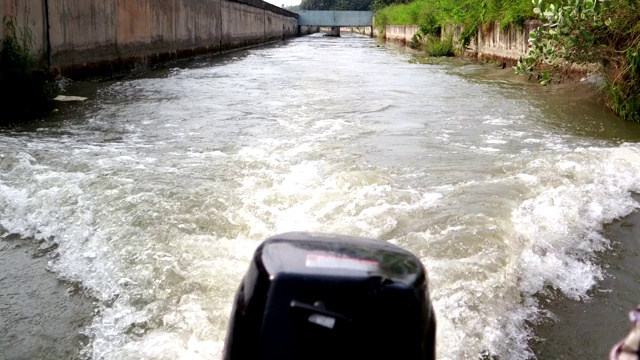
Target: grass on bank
[(433, 45), (619, 42), (439, 47), (432, 15), (25, 92)]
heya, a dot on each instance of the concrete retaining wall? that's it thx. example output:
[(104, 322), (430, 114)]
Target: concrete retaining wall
[(491, 43), (91, 36), (363, 30), (400, 34), (508, 45)]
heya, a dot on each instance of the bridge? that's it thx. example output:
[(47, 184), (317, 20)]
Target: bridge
[(335, 19)]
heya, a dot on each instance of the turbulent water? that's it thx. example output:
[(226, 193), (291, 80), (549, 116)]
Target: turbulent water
[(159, 188)]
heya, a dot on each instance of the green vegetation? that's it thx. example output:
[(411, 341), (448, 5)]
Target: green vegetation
[(335, 4), (24, 93), (590, 32), (292, 8), (432, 15), (432, 45)]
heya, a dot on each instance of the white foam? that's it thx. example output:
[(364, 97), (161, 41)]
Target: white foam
[(489, 149), (498, 121), (486, 297), (562, 225), (495, 141), (484, 269)]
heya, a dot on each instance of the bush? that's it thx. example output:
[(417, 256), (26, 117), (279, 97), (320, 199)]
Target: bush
[(590, 32), (25, 94), (416, 41), (435, 46), (433, 14)]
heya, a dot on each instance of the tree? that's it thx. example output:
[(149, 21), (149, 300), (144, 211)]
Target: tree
[(359, 5)]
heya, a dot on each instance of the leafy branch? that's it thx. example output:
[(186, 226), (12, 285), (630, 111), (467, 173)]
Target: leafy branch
[(601, 32)]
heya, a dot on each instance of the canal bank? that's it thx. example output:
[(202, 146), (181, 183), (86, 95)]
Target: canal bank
[(96, 37), (490, 43)]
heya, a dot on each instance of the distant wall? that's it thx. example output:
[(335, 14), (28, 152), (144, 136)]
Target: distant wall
[(307, 29), (363, 30), (91, 36)]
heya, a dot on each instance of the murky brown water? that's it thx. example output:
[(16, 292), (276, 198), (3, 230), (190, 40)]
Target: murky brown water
[(158, 189), (40, 317)]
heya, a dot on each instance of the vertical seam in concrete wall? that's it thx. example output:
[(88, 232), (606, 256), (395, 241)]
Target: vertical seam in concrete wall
[(48, 32), (116, 19), (404, 34), (173, 47), (148, 40), (221, 21)]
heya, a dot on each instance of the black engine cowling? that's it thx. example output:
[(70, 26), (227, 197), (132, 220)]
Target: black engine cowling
[(310, 296)]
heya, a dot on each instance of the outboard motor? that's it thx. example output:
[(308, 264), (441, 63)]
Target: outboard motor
[(309, 296)]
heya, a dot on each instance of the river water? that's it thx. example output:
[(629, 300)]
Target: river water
[(158, 189)]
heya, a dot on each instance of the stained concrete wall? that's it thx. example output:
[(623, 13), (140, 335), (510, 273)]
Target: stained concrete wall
[(28, 14), (277, 26), (363, 30), (89, 36), (244, 25), (490, 43), (400, 34), (508, 45)]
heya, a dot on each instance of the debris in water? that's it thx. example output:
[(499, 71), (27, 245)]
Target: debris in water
[(65, 98)]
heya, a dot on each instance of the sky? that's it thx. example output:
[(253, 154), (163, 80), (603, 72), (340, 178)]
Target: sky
[(285, 2)]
